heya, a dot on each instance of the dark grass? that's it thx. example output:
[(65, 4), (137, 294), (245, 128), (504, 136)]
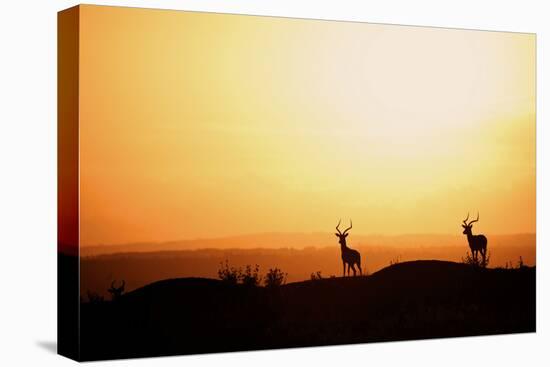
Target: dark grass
[(405, 301)]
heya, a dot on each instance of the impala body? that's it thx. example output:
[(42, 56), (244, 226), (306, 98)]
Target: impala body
[(478, 243), (349, 256)]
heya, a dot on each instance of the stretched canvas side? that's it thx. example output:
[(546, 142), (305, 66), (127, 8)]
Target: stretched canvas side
[(67, 180)]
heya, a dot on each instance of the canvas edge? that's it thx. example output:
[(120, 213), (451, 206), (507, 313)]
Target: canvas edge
[(68, 300)]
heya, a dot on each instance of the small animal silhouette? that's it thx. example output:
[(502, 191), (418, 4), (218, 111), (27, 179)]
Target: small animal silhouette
[(349, 256), (116, 292), (478, 243)]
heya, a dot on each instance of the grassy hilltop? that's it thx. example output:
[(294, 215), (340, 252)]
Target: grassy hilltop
[(409, 300)]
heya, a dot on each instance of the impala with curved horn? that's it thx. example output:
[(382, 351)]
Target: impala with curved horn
[(478, 243), (349, 256), (116, 292)]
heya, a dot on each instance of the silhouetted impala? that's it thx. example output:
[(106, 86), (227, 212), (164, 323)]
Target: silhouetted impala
[(478, 243), (349, 256), (116, 292)]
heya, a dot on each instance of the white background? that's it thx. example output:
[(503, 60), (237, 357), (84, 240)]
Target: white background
[(28, 183)]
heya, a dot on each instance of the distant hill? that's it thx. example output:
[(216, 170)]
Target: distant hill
[(409, 300), (299, 241), (141, 268)]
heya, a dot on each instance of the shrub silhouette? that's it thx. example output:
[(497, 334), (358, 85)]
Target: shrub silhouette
[(94, 297), (228, 274), (251, 277), (275, 278), (510, 264), (477, 262), (316, 276), (394, 261)]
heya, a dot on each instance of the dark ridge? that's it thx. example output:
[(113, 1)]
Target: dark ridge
[(405, 301)]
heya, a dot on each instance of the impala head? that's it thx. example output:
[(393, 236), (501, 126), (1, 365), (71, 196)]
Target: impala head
[(342, 235), (468, 226), (117, 291)]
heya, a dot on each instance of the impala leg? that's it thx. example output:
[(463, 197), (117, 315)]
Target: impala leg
[(353, 268), (344, 272)]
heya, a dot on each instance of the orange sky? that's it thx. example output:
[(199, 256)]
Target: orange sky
[(207, 125)]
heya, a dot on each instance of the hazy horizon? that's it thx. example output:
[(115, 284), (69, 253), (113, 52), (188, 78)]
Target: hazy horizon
[(145, 265), (276, 233), (301, 240)]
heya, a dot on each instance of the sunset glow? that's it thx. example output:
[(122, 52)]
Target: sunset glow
[(210, 125)]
